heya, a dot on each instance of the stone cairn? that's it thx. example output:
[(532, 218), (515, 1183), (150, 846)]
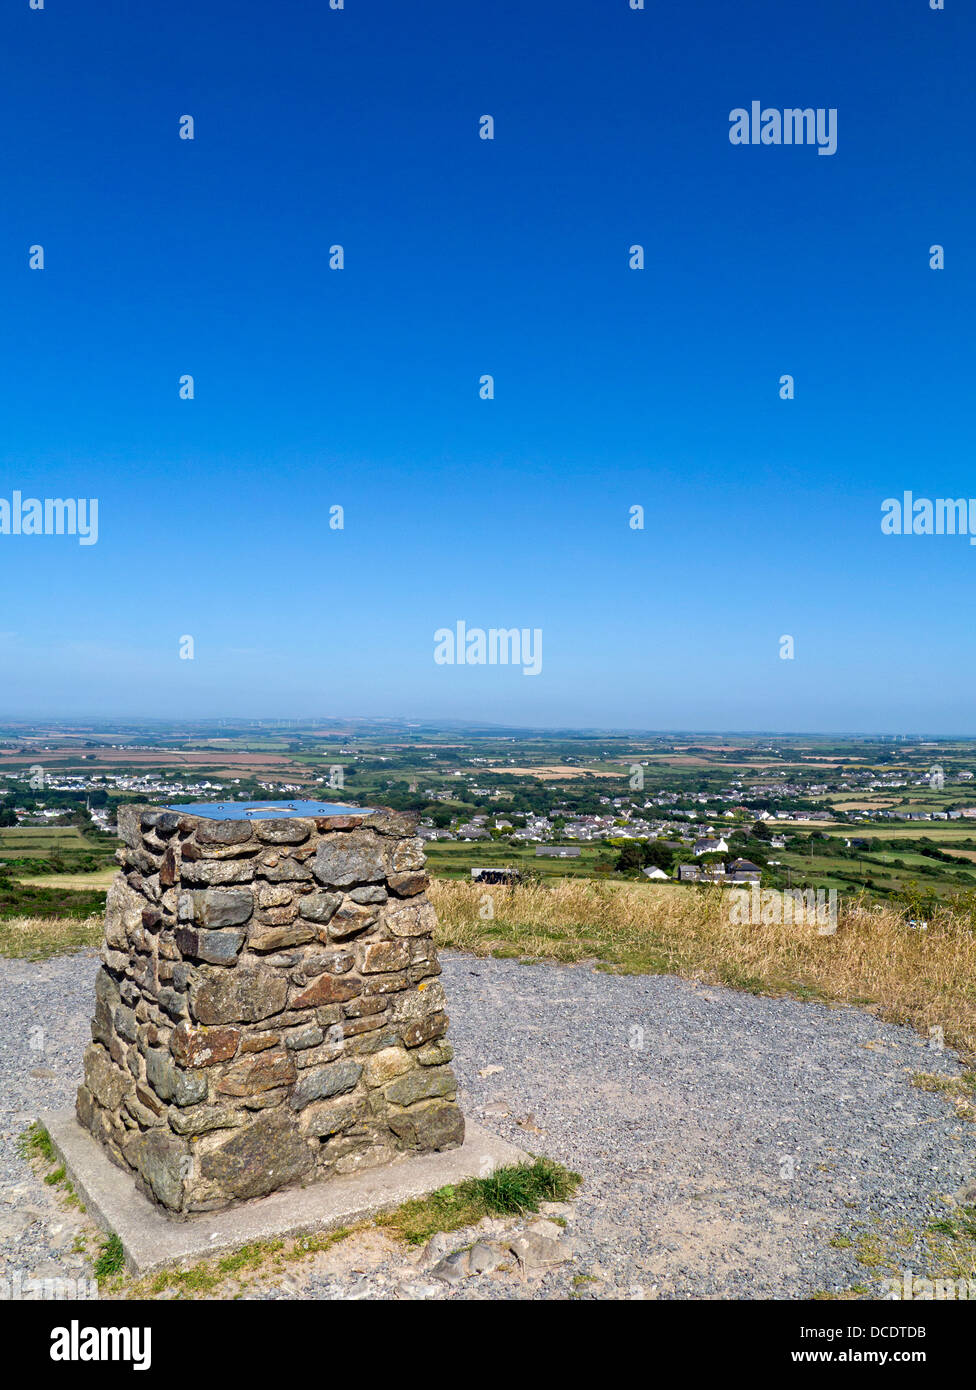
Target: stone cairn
[(267, 1012)]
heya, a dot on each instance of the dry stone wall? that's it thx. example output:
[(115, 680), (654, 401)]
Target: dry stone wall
[(268, 1011)]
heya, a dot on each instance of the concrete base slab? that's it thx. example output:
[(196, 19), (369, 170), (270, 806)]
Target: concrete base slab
[(152, 1240)]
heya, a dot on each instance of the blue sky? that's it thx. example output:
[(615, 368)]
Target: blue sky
[(613, 387)]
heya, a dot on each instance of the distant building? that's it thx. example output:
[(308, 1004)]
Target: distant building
[(655, 874), (556, 852), (710, 847)]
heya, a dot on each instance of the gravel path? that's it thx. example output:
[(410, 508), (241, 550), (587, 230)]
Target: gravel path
[(724, 1139)]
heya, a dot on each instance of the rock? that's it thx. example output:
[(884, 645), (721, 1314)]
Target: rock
[(351, 856), (288, 831), (325, 1081), (202, 1119), (171, 1082), (421, 1083), (318, 906), (535, 1252), (372, 893), (285, 870), (384, 955), (325, 1117), (482, 1258), (424, 1029), (327, 989), (264, 1071), (440, 1244), (408, 885), (454, 1270), (966, 1195), (408, 856), (278, 938), (527, 1122), (217, 871), (386, 1065), (238, 996), (162, 1161), (541, 1227), (106, 1082), (221, 907), (269, 1153), (203, 1047), (222, 832), (216, 947), (336, 962), (123, 913), (412, 921), (430, 1125), (351, 918)]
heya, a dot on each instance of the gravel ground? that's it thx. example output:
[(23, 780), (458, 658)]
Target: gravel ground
[(724, 1139)]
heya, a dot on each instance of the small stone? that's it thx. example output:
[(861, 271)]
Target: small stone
[(287, 831), (422, 1083), (352, 856), (279, 938), (203, 1047), (221, 907), (171, 1082), (265, 1071), (318, 906), (326, 1081), (327, 989), (384, 956), (386, 1065), (237, 996), (454, 1270), (215, 947), (408, 885), (482, 1259)]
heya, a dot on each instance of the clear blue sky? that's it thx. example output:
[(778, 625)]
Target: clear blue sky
[(463, 257)]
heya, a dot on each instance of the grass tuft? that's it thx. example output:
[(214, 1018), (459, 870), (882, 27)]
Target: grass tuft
[(111, 1260), (511, 1191), (35, 1142)]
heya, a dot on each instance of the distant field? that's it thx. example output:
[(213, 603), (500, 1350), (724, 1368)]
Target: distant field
[(100, 879), (550, 773), (456, 859), (36, 842)]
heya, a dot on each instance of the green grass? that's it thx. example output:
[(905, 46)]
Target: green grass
[(111, 1260), (29, 841), (21, 900), (511, 1191), (35, 1142)]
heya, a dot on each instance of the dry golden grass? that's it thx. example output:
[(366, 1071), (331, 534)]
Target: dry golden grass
[(36, 938), (922, 978)]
